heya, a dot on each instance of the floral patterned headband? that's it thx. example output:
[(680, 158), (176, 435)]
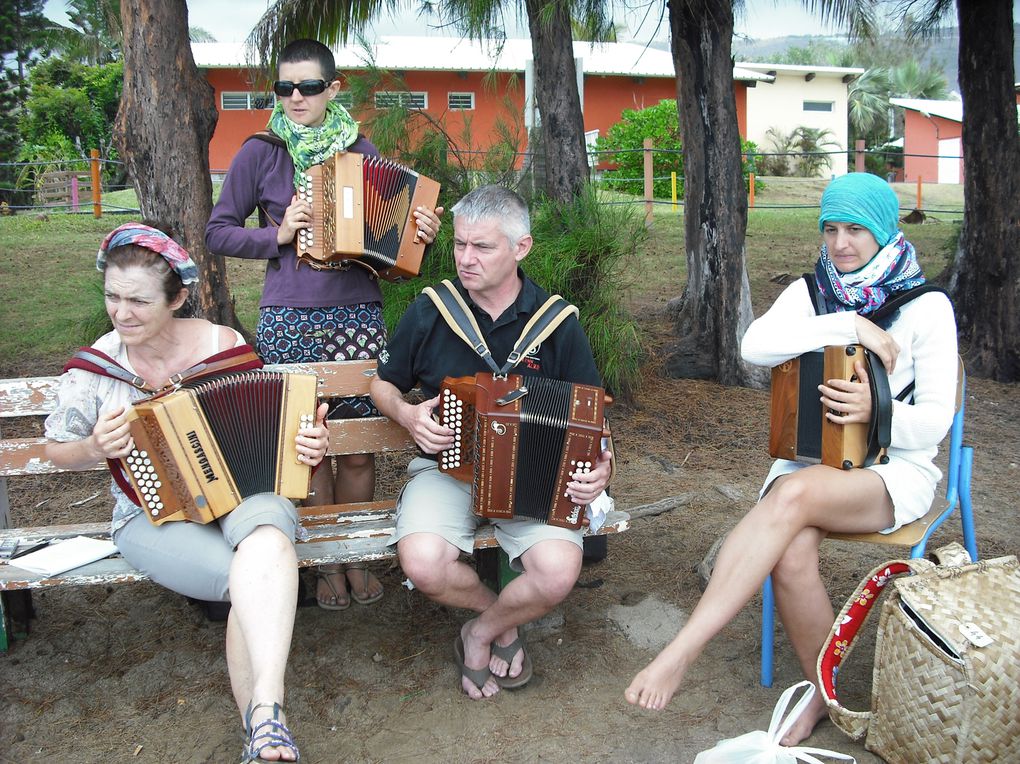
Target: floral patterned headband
[(152, 239)]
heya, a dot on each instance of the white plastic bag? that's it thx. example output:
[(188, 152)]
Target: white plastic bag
[(760, 747)]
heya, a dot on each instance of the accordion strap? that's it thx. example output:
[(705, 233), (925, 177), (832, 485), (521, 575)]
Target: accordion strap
[(880, 427), (240, 358), (98, 362), (457, 314)]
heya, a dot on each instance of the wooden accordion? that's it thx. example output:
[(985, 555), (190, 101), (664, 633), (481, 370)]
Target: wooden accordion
[(361, 211), (519, 440), (200, 450), (799, 429)]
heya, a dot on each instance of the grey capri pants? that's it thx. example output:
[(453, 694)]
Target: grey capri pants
[(194, 559)]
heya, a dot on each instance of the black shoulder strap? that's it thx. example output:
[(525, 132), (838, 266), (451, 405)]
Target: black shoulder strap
[(816, 296), (268, 136), (457, 314), (898, 299), (880, 426)]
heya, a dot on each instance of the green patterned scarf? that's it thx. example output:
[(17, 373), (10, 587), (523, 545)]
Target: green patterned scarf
[(313, 145)]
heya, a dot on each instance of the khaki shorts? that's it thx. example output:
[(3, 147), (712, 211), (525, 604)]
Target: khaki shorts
[(433, 502), (194, 559)]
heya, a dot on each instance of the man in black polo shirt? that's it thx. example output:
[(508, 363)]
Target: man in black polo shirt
[(435, 523)]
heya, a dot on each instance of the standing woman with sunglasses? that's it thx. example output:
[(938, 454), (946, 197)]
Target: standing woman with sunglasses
[(308, 315)]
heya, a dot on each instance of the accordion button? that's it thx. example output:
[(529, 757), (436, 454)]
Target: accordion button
[(155, 512)]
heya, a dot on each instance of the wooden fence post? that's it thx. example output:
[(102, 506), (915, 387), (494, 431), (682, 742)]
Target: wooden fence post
[(918, 193), (649, 182), (859, 155), (97, 201), (750, 190)]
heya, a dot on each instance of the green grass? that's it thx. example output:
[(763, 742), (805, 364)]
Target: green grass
[(49, 288)]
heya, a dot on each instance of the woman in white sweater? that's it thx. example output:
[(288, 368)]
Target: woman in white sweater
[(864, 260)]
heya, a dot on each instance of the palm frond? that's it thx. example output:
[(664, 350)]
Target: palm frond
[(328, 21)]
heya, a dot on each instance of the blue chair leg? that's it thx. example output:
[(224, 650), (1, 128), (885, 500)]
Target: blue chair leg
[(966, 511), (768, 615)]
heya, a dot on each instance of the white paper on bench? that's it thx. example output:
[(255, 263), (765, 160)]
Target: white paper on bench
[(61, 556)]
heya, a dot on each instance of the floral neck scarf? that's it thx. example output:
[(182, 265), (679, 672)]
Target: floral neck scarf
[(893, 269), (313, 145)]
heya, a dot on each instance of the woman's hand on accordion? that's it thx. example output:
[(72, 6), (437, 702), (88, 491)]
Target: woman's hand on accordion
[(587, 485), (847, 401), (111, 437), (297, 216), (312, 442), (428, 223)]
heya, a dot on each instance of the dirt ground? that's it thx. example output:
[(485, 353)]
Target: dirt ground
[(137, 674)]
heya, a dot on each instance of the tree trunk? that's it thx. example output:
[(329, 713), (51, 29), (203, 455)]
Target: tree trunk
[(715, 308), (166, 118), (558, 101), (985, 279)]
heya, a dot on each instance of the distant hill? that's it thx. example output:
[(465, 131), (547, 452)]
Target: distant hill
[(942, 50)]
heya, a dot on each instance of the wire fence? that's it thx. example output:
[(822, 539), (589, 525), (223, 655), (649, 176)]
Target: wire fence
[(97, 185)]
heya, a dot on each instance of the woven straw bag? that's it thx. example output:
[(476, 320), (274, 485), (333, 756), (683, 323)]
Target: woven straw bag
[(946, 684)]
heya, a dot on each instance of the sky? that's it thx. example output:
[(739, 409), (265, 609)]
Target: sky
[(232, 20)]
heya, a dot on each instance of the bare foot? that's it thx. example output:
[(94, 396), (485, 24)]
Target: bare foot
[(655, 684), (476, 658), (500, 667), (805, 724)]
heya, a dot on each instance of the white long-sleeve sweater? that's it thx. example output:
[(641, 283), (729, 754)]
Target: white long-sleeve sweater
[(925, 331)]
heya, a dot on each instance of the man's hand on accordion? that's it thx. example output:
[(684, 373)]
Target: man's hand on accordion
[(431, 436), (586, 486), (312, 442)]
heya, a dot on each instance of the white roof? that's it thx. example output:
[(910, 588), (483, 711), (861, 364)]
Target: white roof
[(946, 109), (820, 71), (455, 54)]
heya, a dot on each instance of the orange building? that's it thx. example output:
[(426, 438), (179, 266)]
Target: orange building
[(932, 151), (932, 130), (470, 86)]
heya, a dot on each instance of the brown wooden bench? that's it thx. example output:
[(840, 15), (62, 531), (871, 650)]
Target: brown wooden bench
[(329, 534)]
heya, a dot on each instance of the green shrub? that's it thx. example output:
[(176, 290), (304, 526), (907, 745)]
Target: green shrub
[(623, 147)]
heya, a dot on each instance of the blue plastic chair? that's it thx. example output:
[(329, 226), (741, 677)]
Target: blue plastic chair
[(915, 535)]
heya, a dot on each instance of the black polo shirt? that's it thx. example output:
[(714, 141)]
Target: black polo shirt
[(423, 350)]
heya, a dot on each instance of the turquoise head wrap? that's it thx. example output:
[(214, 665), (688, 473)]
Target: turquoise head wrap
[(865, 199)]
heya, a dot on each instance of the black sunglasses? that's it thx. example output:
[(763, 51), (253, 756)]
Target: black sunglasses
[(285, 88)]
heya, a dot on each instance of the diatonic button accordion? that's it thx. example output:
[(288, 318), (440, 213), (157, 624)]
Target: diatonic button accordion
[(202, 449), (361, 211), (519, 440), (798, 427)]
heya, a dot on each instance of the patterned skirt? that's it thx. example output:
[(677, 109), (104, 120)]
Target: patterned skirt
[(310, 335)]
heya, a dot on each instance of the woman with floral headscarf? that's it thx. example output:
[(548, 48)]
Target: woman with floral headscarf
[(864, 261), (246, 556)]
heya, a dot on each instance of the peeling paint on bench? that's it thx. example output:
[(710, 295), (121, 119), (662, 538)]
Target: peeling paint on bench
[(328, 534), (363, 541)]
